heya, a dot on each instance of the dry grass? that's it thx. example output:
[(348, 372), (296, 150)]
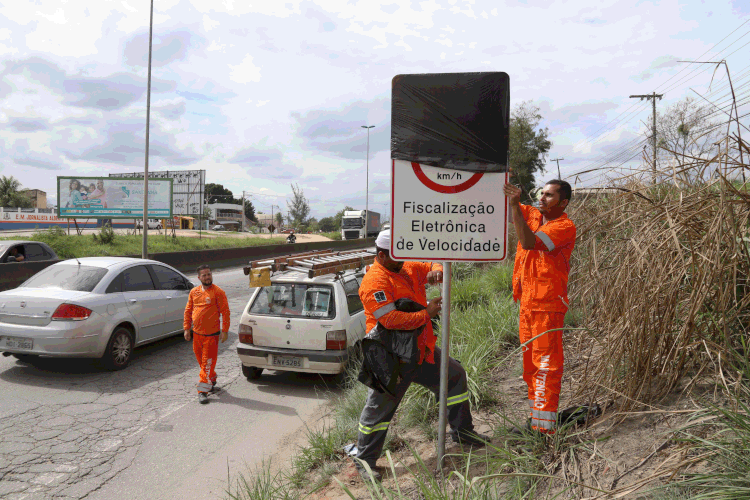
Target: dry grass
[(661, 275)]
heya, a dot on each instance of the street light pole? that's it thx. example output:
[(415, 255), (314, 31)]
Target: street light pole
[(367, 180), (144, 249)]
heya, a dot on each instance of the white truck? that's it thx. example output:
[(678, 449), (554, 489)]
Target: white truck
[(353, 224)]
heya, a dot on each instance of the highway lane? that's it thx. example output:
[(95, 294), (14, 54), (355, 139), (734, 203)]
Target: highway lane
[(70, 430)]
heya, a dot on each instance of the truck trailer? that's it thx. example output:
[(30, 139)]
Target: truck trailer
[(353, 224)]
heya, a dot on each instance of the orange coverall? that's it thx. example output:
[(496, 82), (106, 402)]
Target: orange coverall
[(202, 314), (381, 289), (540, 282)]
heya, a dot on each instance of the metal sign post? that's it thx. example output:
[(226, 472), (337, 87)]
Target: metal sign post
[(444, 353), (449, 152)]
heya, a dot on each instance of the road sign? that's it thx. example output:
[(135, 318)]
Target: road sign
[(271, 227), (447, 215)]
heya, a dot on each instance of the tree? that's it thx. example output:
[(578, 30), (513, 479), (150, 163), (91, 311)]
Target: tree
[(340, 215), (249, 210), (312, 225), (279, 219), (10, 194), (528, 146), (327, 224), (299, 207), (683, 131), (216, 193)]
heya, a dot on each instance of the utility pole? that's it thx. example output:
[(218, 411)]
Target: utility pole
[(367, 180), (653, 96), (144, 248), (558, 167), (243, 211)]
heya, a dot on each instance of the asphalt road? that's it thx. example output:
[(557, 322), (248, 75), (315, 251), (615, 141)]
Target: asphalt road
[(70, 430)]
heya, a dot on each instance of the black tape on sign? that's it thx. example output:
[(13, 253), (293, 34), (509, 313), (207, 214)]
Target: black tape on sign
[(452, 120)]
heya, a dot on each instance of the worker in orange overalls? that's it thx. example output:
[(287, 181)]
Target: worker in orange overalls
[(540, 281), (384, 285), (205, 304)]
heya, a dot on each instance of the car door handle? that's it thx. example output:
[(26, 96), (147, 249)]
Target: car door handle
[(132, 301)]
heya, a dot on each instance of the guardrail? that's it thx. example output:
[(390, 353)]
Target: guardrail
[(14, 273)]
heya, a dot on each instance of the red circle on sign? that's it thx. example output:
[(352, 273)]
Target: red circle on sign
[(444, 189)]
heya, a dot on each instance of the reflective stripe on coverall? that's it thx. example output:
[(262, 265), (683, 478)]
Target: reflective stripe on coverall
[(380, 407), (540, 282), (202, 312), (379, 290)]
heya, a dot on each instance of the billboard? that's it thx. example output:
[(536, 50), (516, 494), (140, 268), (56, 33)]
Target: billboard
[(112, 197), (188, 188)]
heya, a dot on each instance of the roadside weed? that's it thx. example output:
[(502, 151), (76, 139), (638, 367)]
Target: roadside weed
[(261, 485)]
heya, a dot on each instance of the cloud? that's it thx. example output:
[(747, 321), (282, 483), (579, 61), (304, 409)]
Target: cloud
[(339, 132), (171, 109), (245, 72), (110, 92), (660, 63), (255, 156), (166, 48), (27, 124), (23, 153), (265, 162)]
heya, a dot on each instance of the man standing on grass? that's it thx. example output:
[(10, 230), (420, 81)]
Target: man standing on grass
[(384, 288), (540, 281), (205, 304)]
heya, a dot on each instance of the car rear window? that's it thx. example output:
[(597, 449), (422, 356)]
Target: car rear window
[(295, 300), (67, 277)]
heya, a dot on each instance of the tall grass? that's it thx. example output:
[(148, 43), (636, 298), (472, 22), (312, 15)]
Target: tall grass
[(484, 322)]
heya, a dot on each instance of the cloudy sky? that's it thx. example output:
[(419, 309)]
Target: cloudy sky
[(262, 94)]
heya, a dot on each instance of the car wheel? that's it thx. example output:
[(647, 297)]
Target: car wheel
[(251, 372), (119, 349), (26, 358)]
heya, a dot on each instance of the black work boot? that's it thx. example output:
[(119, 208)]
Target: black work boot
[(367, 476), (470, 437), (521, 432), (202, 398)]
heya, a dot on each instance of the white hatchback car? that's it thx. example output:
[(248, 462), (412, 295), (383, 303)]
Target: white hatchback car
[(302, 324)]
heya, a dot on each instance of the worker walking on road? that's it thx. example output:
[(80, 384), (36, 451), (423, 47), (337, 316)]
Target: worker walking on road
[(387, 286), (205, 304), (540, 281)]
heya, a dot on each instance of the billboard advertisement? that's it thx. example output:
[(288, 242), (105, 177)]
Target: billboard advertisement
[(112, 197), (188, 188)]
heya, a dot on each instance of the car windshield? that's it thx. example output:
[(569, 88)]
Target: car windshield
[(355, 222), (295, 299), (67, 277)]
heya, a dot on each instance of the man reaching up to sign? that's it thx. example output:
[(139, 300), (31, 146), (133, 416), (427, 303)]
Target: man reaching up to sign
[(395, 301), (540, 281)]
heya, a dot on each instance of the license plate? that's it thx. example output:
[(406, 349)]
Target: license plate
[(288, 361), (17, 342)]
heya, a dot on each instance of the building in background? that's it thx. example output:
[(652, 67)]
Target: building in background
[(38, 197), (228, 215)]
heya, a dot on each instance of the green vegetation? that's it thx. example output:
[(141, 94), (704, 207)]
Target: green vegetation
[(333, 235), (484, 334), (88, 245)]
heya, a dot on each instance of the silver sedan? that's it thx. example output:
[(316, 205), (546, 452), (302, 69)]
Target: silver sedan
[(97, 307)]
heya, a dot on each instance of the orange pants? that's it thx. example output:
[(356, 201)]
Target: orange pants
[(206, 348), (542, 365)]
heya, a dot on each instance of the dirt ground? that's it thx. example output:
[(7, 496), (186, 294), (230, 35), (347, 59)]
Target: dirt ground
[(617, 456)]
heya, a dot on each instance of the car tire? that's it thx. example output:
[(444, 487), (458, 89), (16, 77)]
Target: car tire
[(251, 372), (119, 349)]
